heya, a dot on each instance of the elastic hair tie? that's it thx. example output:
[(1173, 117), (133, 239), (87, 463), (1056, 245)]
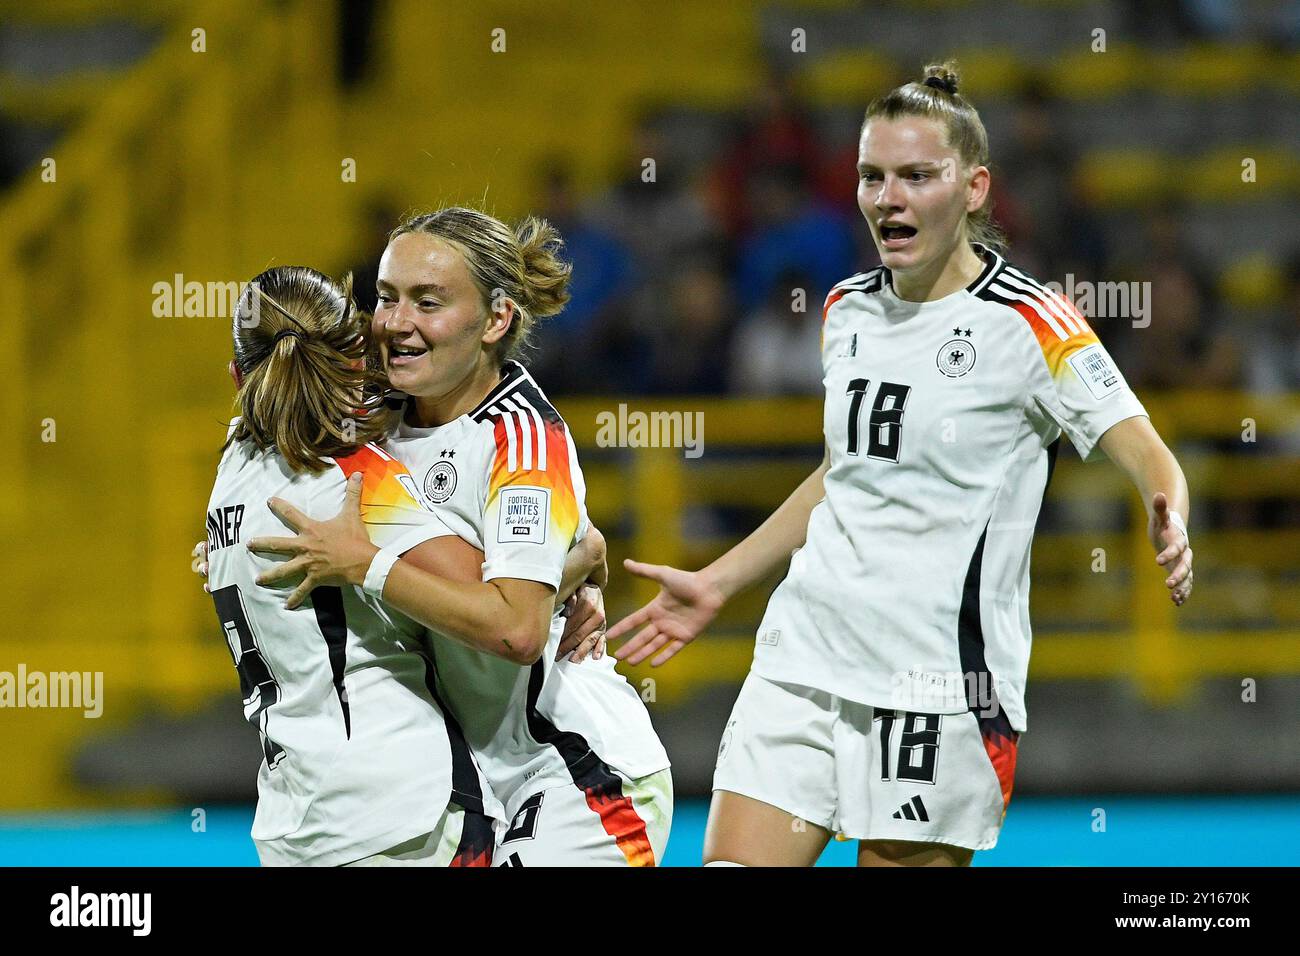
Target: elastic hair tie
[(285, 333)]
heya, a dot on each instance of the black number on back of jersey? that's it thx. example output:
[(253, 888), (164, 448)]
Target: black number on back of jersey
[(524, 825), (918, 745), (256, 682), (885, 424)]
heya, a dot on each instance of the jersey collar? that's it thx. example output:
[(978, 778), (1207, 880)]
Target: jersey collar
[(992, 263), (512, 373)]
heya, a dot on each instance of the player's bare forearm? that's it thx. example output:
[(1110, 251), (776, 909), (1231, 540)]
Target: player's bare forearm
[(586, 561), (507, 618), (770, 546), (688, 601), (1136, 447)]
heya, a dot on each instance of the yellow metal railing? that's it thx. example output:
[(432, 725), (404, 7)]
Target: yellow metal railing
[(204, 164), (192, 164)]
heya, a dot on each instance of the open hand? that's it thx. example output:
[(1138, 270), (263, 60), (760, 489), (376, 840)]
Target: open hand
[(1173, 553), (337, 551), (687, 602)]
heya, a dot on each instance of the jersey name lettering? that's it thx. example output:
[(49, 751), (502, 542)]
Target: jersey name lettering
[(223, 526)]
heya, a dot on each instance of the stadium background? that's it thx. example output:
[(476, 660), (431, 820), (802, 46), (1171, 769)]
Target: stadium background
[(1123, 165)]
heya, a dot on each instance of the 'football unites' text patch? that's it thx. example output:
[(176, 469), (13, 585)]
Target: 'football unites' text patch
[(1092, 366), (524, 515)]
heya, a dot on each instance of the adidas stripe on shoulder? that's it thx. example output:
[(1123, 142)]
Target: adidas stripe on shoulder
[(1046, 311), (529, 431), (865, 282)]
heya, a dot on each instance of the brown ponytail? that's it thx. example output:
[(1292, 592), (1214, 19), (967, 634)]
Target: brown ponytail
[(300, 349)]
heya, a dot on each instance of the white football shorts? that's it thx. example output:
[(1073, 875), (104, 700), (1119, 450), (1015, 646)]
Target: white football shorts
[(604, 819), (461, 838), (868, 773)]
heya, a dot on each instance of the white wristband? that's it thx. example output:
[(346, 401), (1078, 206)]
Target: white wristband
[(377, 573), (1177, 521)]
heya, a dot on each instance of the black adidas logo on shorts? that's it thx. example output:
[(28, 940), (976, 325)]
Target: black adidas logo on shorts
[(914, 809)]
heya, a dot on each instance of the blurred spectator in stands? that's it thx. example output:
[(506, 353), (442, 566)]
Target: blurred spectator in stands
[(356, 31), (775, 130), (1283, 30), (1183, 347), (602, 276), (693, 329), (792, 232), (1186, 344), (656, 212), (378, 220), (659, 214), (1165, 20), (1048, 223), (777, 349), (1273, 363)]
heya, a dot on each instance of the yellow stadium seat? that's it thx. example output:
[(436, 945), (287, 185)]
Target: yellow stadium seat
[(1089, 75), (847, 78)]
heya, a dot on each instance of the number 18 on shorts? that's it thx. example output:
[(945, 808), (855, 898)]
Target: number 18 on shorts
[(865, 772)]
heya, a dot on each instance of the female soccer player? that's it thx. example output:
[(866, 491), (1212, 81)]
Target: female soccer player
[(569, 750), (886, 696), (362, 765)]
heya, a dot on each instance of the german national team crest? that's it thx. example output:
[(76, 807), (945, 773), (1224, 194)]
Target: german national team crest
[(440, 482), (956, 358)]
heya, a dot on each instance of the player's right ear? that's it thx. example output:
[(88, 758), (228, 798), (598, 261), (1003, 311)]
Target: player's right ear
[(236, 374)]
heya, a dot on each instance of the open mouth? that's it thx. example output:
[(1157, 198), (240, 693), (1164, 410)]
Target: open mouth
[(403, 354), (896, 235)]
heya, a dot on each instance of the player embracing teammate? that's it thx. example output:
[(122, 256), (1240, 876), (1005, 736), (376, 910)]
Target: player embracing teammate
[(567, 747), (361, 763)]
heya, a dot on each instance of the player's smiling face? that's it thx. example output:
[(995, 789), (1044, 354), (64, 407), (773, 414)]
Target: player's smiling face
[(914, 192), (430, 323)]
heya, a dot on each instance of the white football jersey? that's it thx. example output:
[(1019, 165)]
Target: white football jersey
[(358, 754), (942, 421), (505, 477)]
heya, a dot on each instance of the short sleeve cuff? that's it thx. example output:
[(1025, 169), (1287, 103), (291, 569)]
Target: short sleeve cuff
[(1089, 445), (400, 539), (541, 573)]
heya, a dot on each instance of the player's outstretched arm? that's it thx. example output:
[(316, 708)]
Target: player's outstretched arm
[(685, 605), (584, 605), (688, 601), (1136, 447)]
